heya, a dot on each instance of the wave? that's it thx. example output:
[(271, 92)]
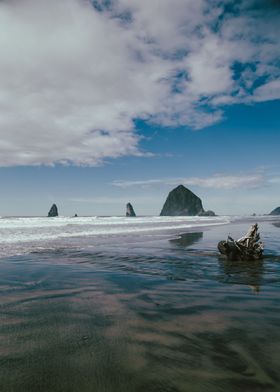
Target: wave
[(24, 234), (16, 237), (37, 222)]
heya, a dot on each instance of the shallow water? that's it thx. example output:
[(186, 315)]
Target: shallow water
[(142, 314), (21, 235)]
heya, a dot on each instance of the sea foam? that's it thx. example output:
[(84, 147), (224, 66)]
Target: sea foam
[(20, 235)]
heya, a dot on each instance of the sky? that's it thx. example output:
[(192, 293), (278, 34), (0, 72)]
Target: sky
[(105, 102)]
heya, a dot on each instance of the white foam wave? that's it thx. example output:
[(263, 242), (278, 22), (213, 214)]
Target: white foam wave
[(109, 231), (38, 222)]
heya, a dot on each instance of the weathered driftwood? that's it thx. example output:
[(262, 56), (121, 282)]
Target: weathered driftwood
[(246, 248)]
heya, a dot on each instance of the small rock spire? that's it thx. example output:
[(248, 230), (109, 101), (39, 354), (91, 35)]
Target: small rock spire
[(130, 210), (53, 211)]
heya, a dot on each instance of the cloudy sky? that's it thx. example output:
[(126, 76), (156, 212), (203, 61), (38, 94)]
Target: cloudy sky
[(108, 101)]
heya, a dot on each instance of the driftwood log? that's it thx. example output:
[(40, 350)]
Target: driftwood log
[(246, 248)]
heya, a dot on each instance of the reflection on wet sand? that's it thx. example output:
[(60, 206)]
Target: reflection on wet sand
[(243, 272), (96, 333), (170, 322), (187, 239)]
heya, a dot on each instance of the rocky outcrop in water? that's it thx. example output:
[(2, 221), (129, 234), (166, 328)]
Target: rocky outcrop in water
[(181, 201), (53, 211), (129, 210), (276, 211), (207, 213)]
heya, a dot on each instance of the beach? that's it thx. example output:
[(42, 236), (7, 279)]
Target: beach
[(139, 163), (150, 306)]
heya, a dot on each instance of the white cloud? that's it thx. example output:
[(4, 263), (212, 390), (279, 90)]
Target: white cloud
[(274, 180), (73, 79), (216, 181), (268, 91)]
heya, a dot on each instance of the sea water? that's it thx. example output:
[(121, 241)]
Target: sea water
[(19, 235), (146, 304)]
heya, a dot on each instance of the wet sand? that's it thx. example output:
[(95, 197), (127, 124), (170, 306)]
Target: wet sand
[(161, 316)]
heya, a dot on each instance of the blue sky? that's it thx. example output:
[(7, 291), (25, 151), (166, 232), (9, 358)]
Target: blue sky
[(121, 101)]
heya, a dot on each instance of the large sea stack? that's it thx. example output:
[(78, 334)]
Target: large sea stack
[(181, 201), (276, 211), (129, 210), (53, 211)]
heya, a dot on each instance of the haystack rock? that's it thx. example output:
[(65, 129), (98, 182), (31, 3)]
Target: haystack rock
[(53, 211), (183, 202), (276, 211), (130, 210)]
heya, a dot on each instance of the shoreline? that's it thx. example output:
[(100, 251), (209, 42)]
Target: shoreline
[(159, 315), (22, 238)]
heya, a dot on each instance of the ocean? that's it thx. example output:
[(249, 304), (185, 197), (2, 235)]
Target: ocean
[(113, 304)]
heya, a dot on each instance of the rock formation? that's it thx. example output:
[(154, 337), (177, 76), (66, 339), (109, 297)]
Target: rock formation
[(207, 213), (276, 211), (247, 248), (53, 211), (181, 201), (130, 210)]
